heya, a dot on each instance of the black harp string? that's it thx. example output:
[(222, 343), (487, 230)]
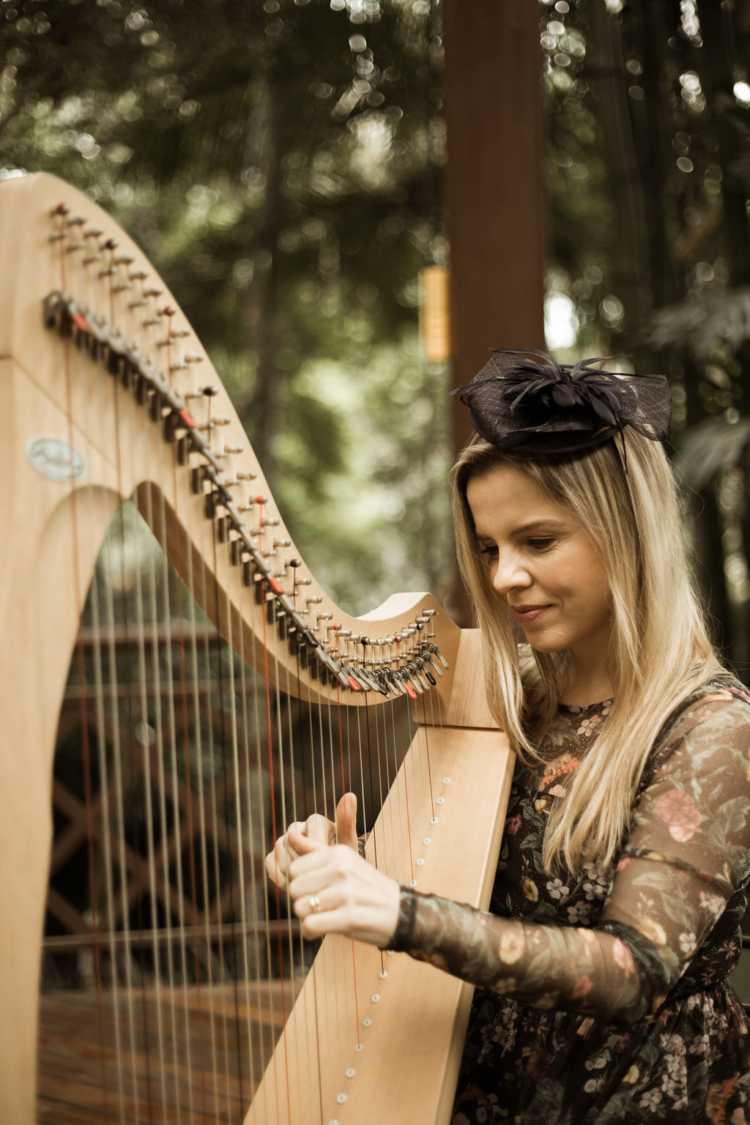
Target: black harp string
[(225, 773), (138, 433), (293, 712), (212, 877), (202, 834), (347, 832), (126, 807), (147, 513), (85, 376), (257, 691), (269, 611), (247, 818), (184, 725), (403, 740), (171, 617), (168, 769), (274, 820), (189, 608), (309, 797), (236, 788), (117, 748), (342, 975), (97, 594), (392, 797), (212, 691), (386, 721), (283, 780), (316, 1046)]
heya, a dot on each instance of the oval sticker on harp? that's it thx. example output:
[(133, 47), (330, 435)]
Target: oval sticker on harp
[(56, 459)]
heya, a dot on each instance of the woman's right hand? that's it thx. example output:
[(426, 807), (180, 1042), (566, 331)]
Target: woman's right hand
[(318, 828)]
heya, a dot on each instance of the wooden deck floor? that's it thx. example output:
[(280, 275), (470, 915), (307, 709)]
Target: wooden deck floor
[(194, 1058)]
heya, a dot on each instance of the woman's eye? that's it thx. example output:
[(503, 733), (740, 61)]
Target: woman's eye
[(489, 552), (541, 544)]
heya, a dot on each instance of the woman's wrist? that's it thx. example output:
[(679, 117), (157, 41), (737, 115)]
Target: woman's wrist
[(407, 915)]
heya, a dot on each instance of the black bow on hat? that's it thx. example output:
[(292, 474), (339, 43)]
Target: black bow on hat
[(538, 409)]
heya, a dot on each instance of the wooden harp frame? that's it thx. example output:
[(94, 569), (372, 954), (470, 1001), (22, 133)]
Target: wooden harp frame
[(79, 358)]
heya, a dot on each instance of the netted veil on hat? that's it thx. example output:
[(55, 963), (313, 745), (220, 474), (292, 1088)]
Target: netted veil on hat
[(531, 408)]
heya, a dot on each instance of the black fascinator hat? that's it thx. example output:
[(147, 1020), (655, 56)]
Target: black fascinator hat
[(536, 409)]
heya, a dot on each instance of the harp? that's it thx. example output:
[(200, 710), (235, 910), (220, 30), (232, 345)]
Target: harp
[(105, 402)]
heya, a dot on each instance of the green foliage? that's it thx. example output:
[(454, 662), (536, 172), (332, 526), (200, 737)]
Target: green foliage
[(277, 162), (649, 122)]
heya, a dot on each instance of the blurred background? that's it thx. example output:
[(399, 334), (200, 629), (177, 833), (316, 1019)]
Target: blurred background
[(353, 200), (284, 164)]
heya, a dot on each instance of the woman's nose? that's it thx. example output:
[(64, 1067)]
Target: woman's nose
[(510, 574)]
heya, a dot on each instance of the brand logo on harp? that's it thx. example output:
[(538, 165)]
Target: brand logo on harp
[(55, 459)]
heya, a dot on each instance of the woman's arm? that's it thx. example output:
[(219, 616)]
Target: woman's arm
[(688, 852)]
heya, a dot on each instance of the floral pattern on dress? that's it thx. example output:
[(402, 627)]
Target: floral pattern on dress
[(603, 997)]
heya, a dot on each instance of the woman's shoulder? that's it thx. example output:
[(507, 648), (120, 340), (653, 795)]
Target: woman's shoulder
[(721, 692), (713, 718)]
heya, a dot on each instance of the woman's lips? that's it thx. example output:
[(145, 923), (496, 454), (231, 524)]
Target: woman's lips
[(525, 614)]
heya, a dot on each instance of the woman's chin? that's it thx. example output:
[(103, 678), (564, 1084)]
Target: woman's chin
[(541, 644)]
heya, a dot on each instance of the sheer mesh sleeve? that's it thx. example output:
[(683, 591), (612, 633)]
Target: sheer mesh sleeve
[(687, 853)]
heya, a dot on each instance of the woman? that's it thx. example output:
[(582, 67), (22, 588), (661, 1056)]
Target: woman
[(626, 855)]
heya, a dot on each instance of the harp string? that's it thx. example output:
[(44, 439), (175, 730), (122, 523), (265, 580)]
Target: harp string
[(265, 947), (84, 374), (186, 743), (292, 712), (292, 774), (406, 794), (346, 830), (282, 785), (104, 785), (178, 617), (329, 763), (145, 729), (248, 818), (199, 774), (169, 782), (215, 872), (225, 740), (160, 691), (274, 822), (188, 773), (316, 1042)]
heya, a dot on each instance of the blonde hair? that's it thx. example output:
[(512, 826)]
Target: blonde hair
[(660, 649)]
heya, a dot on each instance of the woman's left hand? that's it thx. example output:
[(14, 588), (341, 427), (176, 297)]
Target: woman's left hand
[(351, 896)]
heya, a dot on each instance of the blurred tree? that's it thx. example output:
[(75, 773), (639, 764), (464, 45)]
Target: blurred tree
[(278, 162), (648, 111)]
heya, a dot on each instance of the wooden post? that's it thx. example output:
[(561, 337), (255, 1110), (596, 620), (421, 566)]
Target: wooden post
[(495, 193)]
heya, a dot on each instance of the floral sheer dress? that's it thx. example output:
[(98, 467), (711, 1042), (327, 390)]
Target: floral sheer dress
[(604, 998)]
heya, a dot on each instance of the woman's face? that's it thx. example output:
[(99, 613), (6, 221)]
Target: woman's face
[(542, 564)]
